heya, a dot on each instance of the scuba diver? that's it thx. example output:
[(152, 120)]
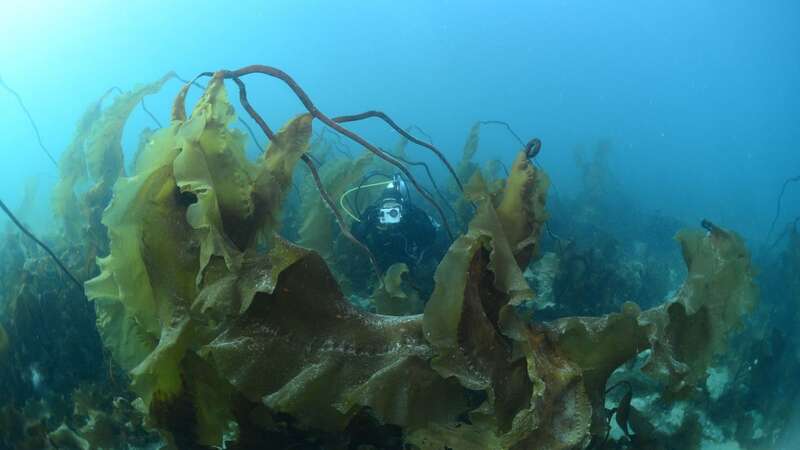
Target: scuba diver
[(395, 230)]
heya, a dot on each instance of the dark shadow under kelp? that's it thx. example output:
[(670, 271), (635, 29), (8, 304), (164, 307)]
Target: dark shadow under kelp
[(602, 248), (231, 333)]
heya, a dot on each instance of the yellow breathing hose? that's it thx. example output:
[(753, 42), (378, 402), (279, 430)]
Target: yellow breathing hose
[(351, 190)]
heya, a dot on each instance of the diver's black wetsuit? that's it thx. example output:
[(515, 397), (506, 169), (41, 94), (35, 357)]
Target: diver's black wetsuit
[(409, 241)]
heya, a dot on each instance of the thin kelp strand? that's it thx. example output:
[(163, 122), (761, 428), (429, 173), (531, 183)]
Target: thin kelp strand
[(309, 162), (316, 113), (40, 244), (790, 227), (30, 119), (778, 204), (251, 111), (152, 116), (251, 133), (339, 220), (513, 133), (507, 127), (381, 115), (335, 144), (422, 132), (430, 178)]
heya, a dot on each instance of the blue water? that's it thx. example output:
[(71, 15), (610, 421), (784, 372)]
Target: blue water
[(700, 100)]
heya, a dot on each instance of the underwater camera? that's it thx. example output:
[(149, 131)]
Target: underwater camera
[(392, 199), (390, 213)]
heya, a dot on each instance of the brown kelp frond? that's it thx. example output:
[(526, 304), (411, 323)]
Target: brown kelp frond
[(683, 335), (335, 364), (532, 148), (522, 207), (381, 115), (274, 179), (193, 201), (471, 144), (179, 111), (179, 104), (326, 198), (519, 140), (103, 150), (212, 168), (225, 336), (471, 324), (95, 156), (466, 168), (72, 170), (312, 109), (392, 298)]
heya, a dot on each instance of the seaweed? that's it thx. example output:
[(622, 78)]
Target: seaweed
[(72, 172), (466, 167), (392, 297), (233, 336), (3, 341), (405, 134), (95, 156), (30, 119), (317, 228), (332, 123), (778, 204), (681, 334), (51, 343), (41, 244)]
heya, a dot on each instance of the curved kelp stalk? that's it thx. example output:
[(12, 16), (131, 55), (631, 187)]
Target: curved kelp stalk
[(382, 116), (30, 119), (226, 329), (235, 75), (508, 128), (41, 244), (326, 198), (521, 143), (315, 230), (786, 184), (150, 114), (431, 179)]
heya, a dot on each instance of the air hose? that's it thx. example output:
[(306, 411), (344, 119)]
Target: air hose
[(357, 188)]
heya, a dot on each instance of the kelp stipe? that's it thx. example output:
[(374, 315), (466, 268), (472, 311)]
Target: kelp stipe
[(218, 320)]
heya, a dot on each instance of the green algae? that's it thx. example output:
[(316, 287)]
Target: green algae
[(3, 341), (219, 320)]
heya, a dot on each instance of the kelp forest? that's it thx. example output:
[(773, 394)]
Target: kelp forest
[(194, 297)]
